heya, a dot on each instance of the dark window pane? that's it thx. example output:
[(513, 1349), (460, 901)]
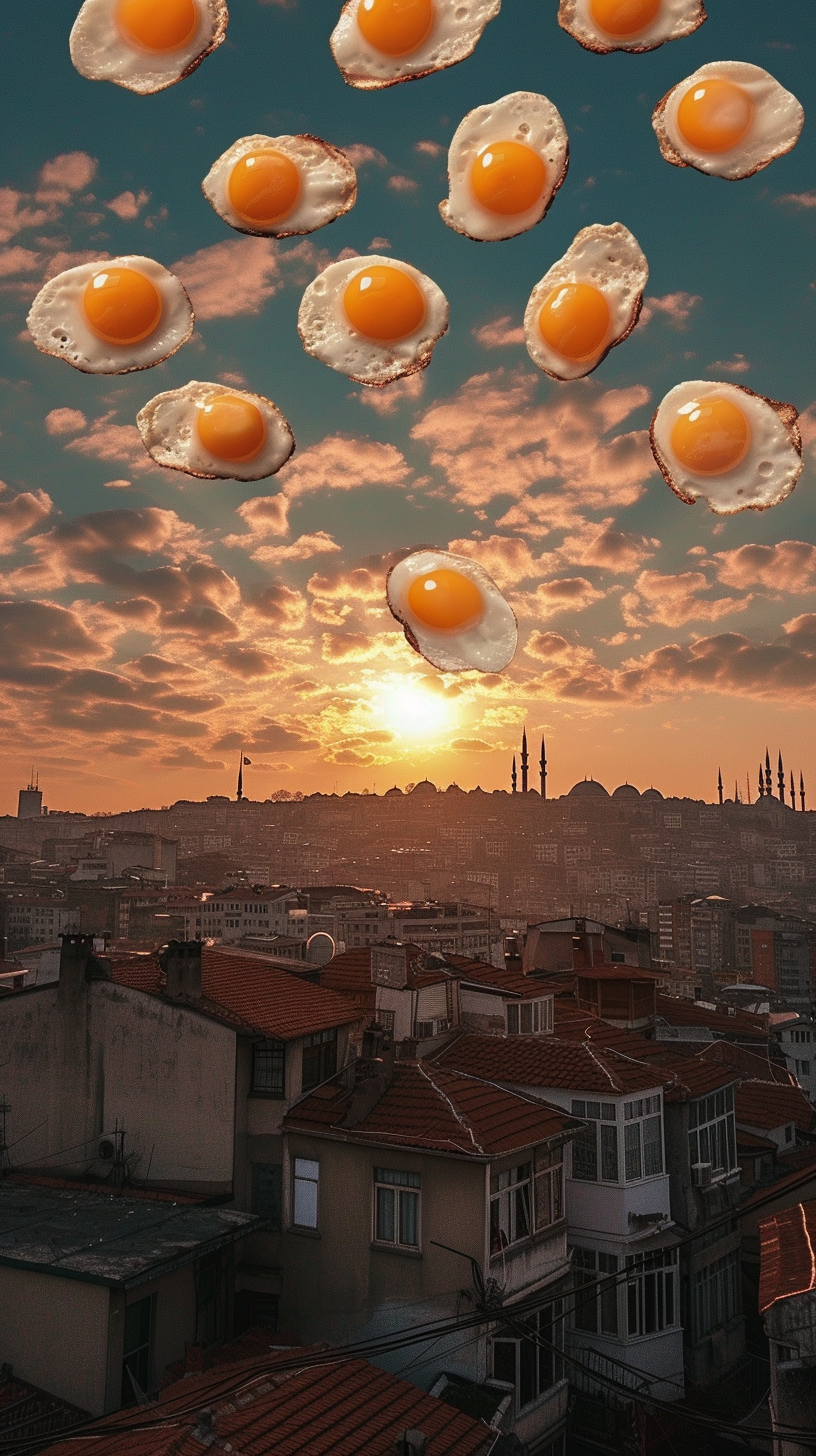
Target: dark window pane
[(267, 1181), (585, 1155), (504, 1361), (268, 1068), (609, 1152), (385, 1214), (527, 1372)]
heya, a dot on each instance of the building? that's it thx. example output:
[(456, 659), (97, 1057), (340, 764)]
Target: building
[(787, 1302), (29, 801), (777, 951), (797, 1042), (553, 945)]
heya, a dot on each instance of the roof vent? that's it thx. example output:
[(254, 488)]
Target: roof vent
[(412, 1443)]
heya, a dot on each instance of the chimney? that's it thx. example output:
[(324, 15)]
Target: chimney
[(412, 1443), (373, 1073), (78, 964), (181, 962)]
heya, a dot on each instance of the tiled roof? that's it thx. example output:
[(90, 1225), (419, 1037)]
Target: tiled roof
[(616, 972), (679, 1011), (767, 1105), (683, 1073), (787, 1262), (26, 1412), (754, 1065), (547, 1061), (753, 1144), (349, 971), (427, 1106), (247, 993), (343, 1408), (512, 983)]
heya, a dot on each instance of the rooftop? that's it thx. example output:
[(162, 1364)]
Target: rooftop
[(732, 1021), (26, 1412), (787, 1264), (117, 1241), (768, 1105), (547, 1061), (437, 1109)]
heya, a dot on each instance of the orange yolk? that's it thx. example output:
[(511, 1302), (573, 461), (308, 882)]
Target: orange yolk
[(714, 115), (445, 599), (508, 177), (395, 27), (158, 25), (231, 428), (384, 303), (574, 321), (264, 187), (122, 306), (711, 436), (623, 17)]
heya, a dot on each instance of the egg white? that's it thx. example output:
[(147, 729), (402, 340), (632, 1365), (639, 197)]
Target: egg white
[(768, 472), (488, 645), (777, 121), (58, 326), (327, 334), (610, 258), (101, 52), (675, 19), (328, 184), (456, 30), (167, 425), (521, 116)]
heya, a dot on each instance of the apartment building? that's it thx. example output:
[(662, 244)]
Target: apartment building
[(787, 1302)]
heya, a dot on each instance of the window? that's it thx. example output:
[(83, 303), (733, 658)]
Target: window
[(319, 1057), (527, 1017), (304, 1200), (548, 1201), (266, 1192), (396, 1207), (716, 1295), (136, 1354), (650, 1291), (385, 1019), (207, 1281), (268, 1066), (510, 1213), (596, 1308), (643, 1138), (595, 1150), (712, 1134), (533, 1365)]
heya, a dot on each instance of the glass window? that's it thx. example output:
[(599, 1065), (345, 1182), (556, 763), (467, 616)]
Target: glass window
[(268, 1065), (306, 1185), (643, 1138), (596, 1306), (319, 1058), (136, 1354), (510, 1212), (716, 1295), (712, 1132), (267, 1180), (396, 1207), (535, 1364), (595, 1149), (651, 1291), (548, 1200)]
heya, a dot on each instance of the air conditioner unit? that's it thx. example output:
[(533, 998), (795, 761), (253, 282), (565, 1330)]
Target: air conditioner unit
[(106, 1150), (701, 1175)]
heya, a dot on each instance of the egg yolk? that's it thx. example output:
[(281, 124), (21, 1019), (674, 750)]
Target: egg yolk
[(714, 116), (395, 27), (122, 306), (623, 17), (158, 25), (445, 599), (710, 436), (574, 320), (384, 303), (231, 428), (264, 187), (508, 177)]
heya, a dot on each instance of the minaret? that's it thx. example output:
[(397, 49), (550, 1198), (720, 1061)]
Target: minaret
[(793, 792), (524, 762), (737, 799), (240, 793), (761, 783), (780, 776), (513, 778), (768, 779), (719, 784), (801, 791), (542, 764)]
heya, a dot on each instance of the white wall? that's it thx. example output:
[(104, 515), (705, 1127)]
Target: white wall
[(43, 1317)]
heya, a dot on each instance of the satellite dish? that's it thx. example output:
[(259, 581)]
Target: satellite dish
[(320, 948)]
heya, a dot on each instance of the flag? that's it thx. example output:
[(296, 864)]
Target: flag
[(248, 761)]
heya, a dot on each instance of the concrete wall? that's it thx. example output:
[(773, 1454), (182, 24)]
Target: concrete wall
[(43, 1316)]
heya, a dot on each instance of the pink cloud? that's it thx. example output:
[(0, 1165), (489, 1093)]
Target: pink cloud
[(674, 599), (499, 334), (65, 174), (360, 153), (507, 559), (237, 277), (355, 646), (798, 199), (65, 421), (107, 441), (565, 594), (788, 566), (600, 544), (341, 462), (17, 260), (128, 205), (20, 514), (428, 149), (265, 515), (391, 397), (116, 484), (738, 365), (676, 308), (305, 547), (15, 216), (398, 183)]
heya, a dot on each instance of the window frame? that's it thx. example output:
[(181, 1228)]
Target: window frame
[(605, 1150), (405, 1191), (275, 1050), (596, 1296), (642, 1115), (305, 1180), (651, 1281), (268, 1203), (144, 1366), (321, 1049), (713, 1131), (530, 1359), (535, 1198)]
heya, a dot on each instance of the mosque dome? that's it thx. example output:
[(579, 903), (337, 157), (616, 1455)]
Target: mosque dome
[(390, 793), (454, 789), (626, 791), (424, 787), (588, 789), (651, 793)]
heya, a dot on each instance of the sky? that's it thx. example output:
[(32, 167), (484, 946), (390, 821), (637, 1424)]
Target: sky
[(153, 625)]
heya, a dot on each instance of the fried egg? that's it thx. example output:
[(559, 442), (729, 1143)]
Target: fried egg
[(587, 302), (215, 433), (145, 45), (629, 25), (729, 119), (280, 186), (111, 317), (452, 612), (506, 162), (735, 449), (373, 318), (380, 42)]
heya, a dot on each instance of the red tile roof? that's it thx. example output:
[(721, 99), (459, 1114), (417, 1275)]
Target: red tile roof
[(685, 1076), (754, 1065), (616, 972), (787, 1257), (247, 993), (342, 1408), (26, 1412), (547, 1061), (511, 983), (767, 1105), (431, 1107), (679, 1011)]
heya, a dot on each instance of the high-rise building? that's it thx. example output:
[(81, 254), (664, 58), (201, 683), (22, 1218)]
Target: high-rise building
[(29, 802)]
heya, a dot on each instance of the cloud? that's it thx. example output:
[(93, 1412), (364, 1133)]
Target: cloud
[(675, 308), (788, 566), (65, 174), (116, 484), (341, 462), (17, 260), (617, 404), (105, 440), (303, 549), (189, 757), (15, 215), (265, 515), (470, 745), (236, 278), (566, 594), (21, 514), (508, 559), (738, 365), (364, 583), (381, 245), (247, 662), (280, 605), (360, 154), (388, 399), (600, 544), (499, 333), (128, 205), (270, 736), (34, 636), (398, 183), (674, 599), (355, 646), (65, 421), (798, 199), (428, 149)]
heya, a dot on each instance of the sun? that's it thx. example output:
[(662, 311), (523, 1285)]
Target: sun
[(411, 711)]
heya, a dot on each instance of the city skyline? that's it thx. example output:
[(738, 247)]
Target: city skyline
[(155, 627)]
